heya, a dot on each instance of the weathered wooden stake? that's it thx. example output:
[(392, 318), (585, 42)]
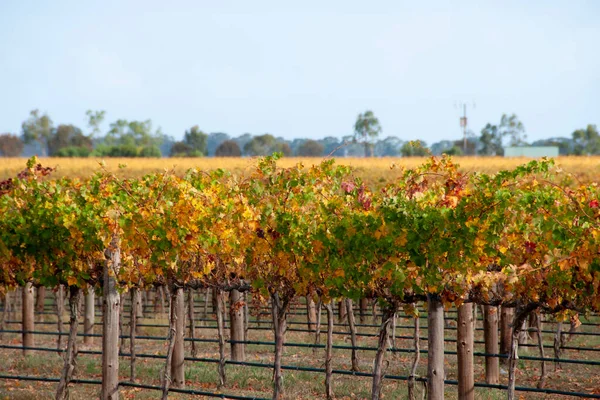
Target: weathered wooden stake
[(177, 363), (28, 318), (236, 326), (435, 355), (110, 323), (490, 333), (464, 349), (88, 322)]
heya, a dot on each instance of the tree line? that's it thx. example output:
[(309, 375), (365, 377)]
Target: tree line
[(132, 138)]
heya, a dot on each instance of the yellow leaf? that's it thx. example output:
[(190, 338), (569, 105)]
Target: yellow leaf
[(339, 273)]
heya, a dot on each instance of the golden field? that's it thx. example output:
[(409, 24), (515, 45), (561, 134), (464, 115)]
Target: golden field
[(373, 169)]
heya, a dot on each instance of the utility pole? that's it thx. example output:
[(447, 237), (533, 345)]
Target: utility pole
[(463, 125)]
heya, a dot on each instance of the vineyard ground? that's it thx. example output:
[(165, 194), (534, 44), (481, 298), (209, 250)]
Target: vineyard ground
[(256, 382)]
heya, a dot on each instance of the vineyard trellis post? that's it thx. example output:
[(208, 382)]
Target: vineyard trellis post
[(110, 323), (236, 325), (464, 349), (490, 333), (88, 322), (435, 355), (177, 362), (28, 317)]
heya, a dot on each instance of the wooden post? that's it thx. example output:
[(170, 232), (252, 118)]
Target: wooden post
[(311, 313), (161, 292), (341, 311), (205, 312), (177, 365), (280, 309), (435, 348), (139, 305), (236, 325), (28, 318), (364, 305), (40, 298), (88, 322), (328, 352), (5, 312), (464, 349), (221, 335), (110, 323), (192, 321), (490, 333), (351, 324), (60, 309), (416, 359), (506, 319), (132, 331), (166, 381), (246, 316)]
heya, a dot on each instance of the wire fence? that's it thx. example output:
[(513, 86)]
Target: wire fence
[(270, 366), (267, 322)]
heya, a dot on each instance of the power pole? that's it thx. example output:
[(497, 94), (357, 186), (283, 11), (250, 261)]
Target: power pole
[(463, 125)]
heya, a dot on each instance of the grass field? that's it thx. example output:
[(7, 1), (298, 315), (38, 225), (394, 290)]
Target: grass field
[(373, 169)]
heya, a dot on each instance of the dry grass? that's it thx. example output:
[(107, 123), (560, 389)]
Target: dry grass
[(373, 169)]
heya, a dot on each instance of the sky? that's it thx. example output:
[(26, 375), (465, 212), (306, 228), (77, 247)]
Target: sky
[(303, 69)]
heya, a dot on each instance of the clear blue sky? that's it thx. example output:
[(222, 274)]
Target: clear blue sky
[(303, 70)]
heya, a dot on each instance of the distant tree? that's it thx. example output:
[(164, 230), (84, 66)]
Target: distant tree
[(242, 140), (38, 128), (167, 142), (511, 127), (123, 150), (181, 149), (282, 147), (331, 146), (587, 141), (565, 145), (196, 139), (10, 145), (130, 139), (366, 129), (151, 151), (471, 146), (417, 148), (95, 119), (310, 148), (351, 147), (453, 151), (73, 151), (261, 145), (68, 136), (296, 143), (228, 148), (137, 133), (491, 141), (388, 147), (438, 148), (214, 140), (492, 136)]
